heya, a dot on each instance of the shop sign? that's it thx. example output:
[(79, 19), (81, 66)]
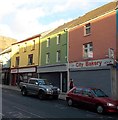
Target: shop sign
[(24, 70), (93, 63), (14, 70)]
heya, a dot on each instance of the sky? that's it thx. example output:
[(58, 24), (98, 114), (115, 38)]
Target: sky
[(21, 19)]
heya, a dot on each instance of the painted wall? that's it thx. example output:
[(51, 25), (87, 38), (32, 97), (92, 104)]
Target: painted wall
[(53, 49), (103, 36), (24, 55)]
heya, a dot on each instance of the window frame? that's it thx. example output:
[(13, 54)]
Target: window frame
[(58, 56), (48, 42), (58, 39), (30, 59), (17, 61), (47, 58), (87, 29), (87, 49), (33, 45)]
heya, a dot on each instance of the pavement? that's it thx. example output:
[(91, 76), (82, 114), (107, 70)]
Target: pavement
[(62, 96)]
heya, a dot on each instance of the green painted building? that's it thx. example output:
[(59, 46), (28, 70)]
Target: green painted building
[(53, 58)]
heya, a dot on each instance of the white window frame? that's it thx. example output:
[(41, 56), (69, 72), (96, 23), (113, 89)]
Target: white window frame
[(58, 39), (87, 28), (48, 42), (47, 58), (88, 50), (58, 56)]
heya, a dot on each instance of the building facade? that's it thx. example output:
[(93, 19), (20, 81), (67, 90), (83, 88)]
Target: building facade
[(53, 59), (5, 61), (94, 42), (24, 59)]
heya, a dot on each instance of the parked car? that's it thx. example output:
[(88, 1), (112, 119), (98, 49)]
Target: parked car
[(93, 98), (40, 87)]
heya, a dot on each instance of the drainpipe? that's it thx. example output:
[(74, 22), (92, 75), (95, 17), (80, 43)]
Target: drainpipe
[(67, 38)]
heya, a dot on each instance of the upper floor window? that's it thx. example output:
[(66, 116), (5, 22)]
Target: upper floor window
[(30, 59), (58, 39), (18, 49), (17, 61), (47, 58), (58, 56), (33, 45), (48, 42), (25, 47), (87, 29), (88, 50)]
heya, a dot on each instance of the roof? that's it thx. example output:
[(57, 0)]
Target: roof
[(88, 16), (35, 36), (7, 50)]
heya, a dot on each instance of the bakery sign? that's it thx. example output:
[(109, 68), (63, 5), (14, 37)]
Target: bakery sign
[(92, 63)]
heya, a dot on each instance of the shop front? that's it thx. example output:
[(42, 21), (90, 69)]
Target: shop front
[(96, 73), (22, 74), (55, 74)]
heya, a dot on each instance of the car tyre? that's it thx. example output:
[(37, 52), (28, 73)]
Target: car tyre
[(70, 102), (24, 92), (41, 95), (55, 97), (100, 109)]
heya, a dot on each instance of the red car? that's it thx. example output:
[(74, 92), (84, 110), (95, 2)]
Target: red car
[(93, 98)]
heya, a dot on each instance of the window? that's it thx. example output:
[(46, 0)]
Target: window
[(58, 56), (25, 47), (32, 81), (30, 59), (58, 39), (87, 29), (18, 49), (88, 50), (33, 45), (47, 58), (48, 42), (17, 61)]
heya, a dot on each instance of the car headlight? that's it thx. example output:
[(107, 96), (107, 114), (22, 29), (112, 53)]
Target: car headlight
[(48, 90), (58, 89), (110, 104)]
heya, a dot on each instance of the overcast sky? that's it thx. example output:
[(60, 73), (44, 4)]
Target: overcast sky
[(21, 19)]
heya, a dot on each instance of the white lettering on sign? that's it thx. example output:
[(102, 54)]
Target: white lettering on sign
[(93, 63)]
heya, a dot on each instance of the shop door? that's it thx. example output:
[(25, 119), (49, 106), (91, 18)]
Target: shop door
[(64, 82)]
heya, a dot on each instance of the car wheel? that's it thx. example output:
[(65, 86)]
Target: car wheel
[(100, 109), (55, 97), (70, 102), (41, 95), (24, 92)]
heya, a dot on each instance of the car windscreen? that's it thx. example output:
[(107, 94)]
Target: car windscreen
[(99, 93), (43, 82)]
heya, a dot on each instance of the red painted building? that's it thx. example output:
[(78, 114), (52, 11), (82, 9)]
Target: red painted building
[(92, 49)]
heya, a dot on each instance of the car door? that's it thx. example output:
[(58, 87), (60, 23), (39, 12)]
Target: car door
[(32, 87), (87, 98), (77, 94)]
